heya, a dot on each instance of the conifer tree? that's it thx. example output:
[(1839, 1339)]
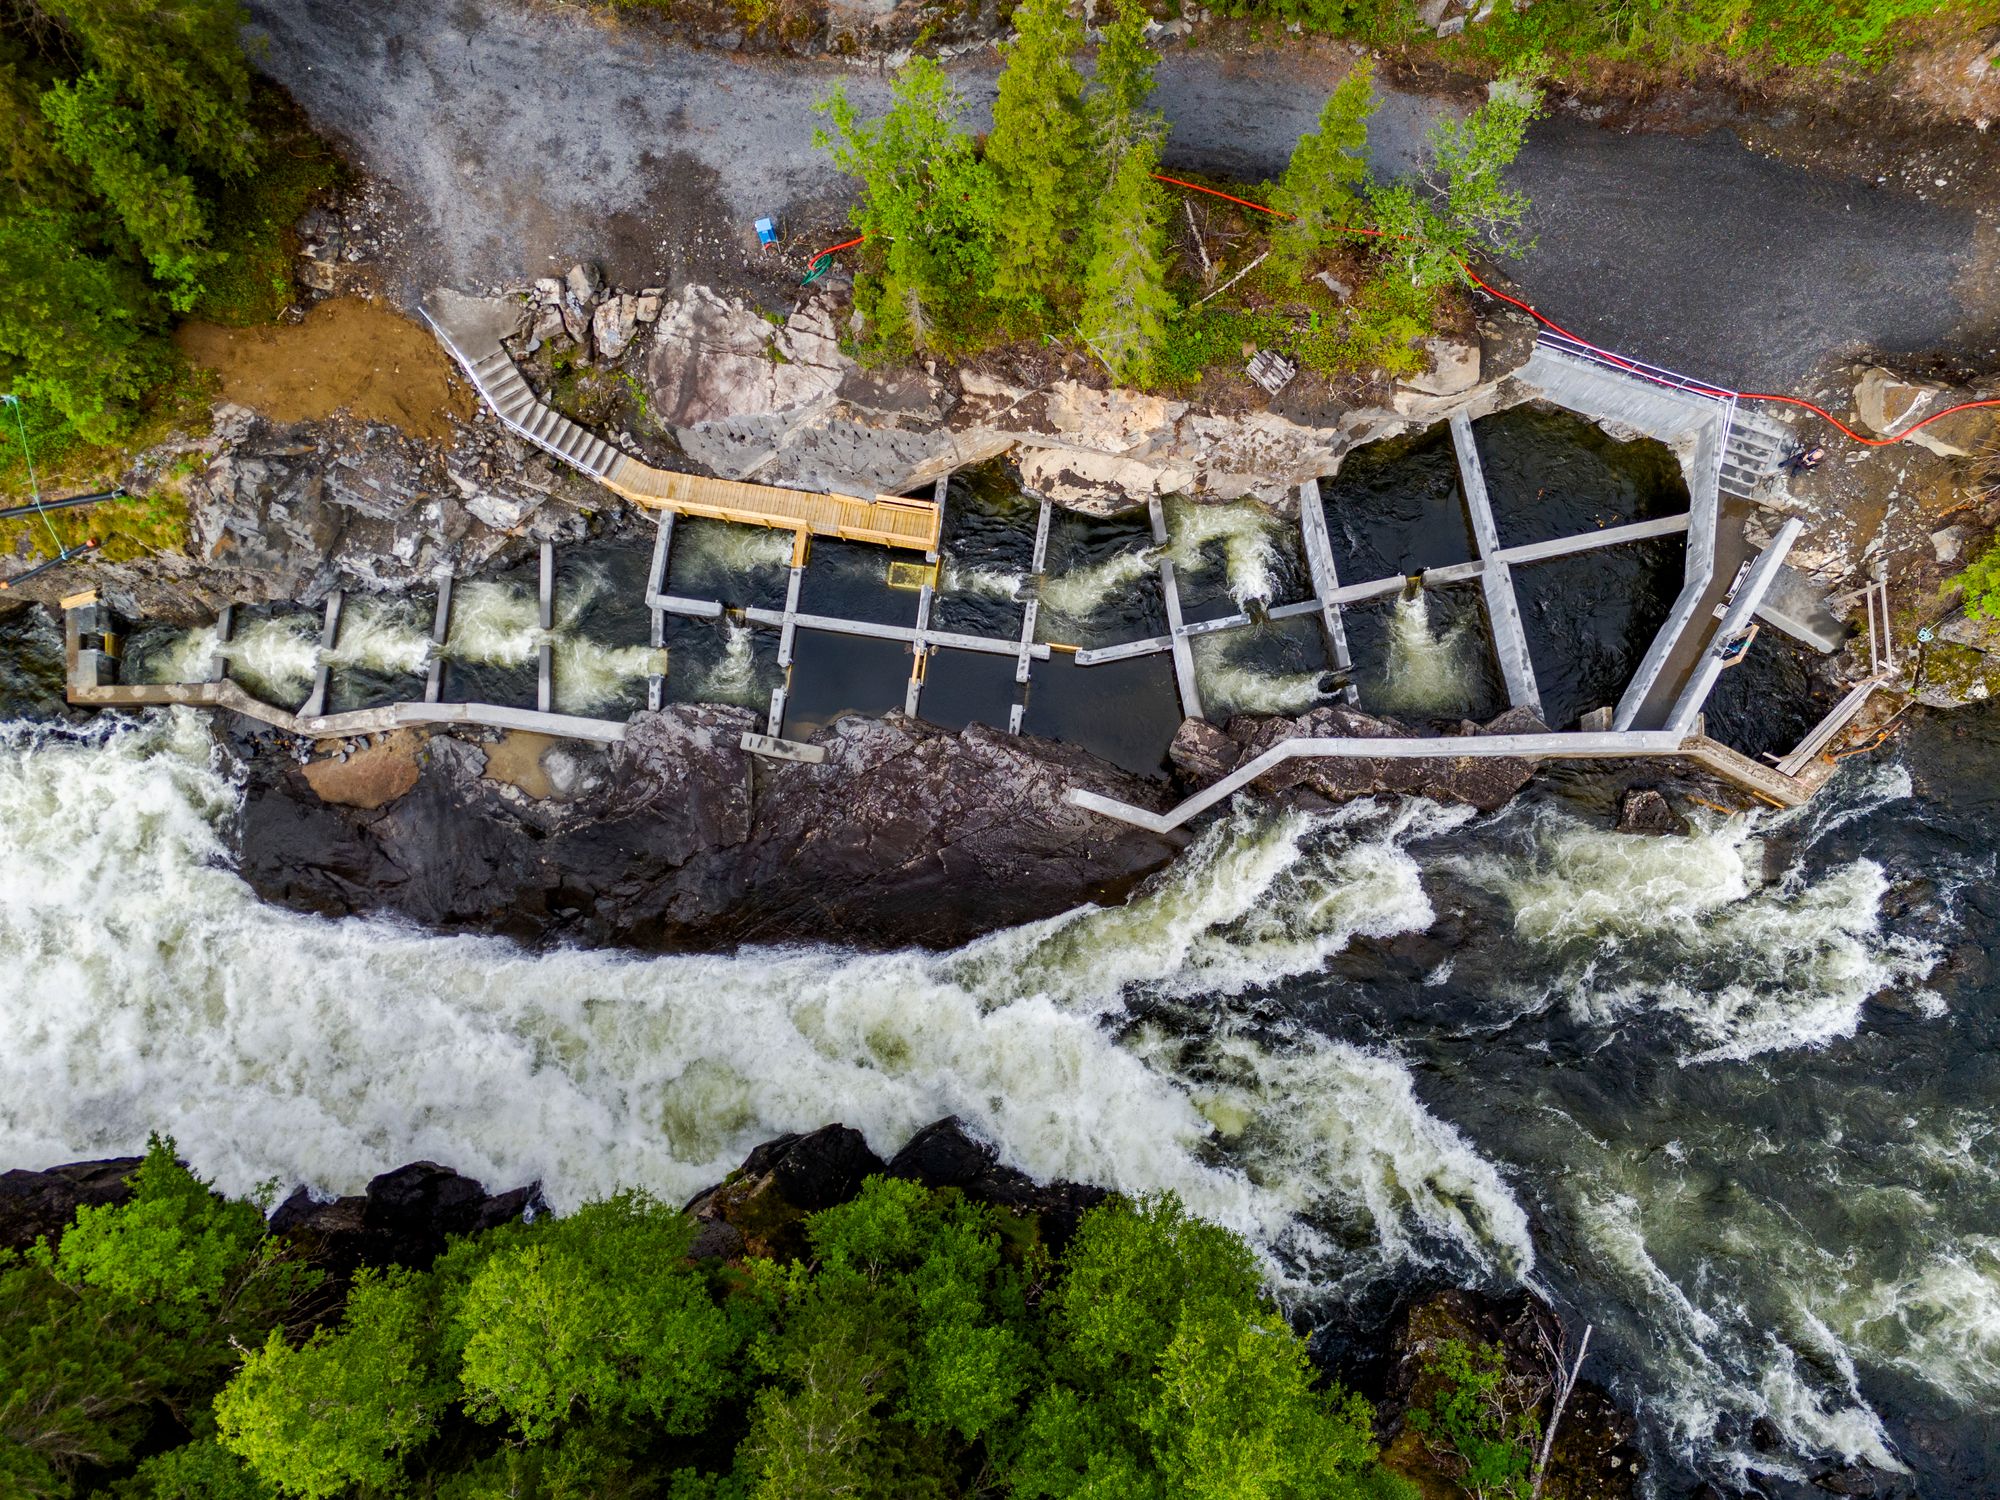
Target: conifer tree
[(1038, 151), (1323, 182), (1126, 302), (1124, 82), (926, 205)]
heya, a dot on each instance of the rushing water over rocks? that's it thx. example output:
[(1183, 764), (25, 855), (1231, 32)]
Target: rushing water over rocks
[(1729, 1097)]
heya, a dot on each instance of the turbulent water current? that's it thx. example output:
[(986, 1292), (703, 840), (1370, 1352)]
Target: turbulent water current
[(1730, 1098)]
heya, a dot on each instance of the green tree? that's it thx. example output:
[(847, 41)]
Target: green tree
[(182, 65), (926, 208), (1236, 1413), (1468, 206), (128, 1320), (202, 1470), (1038, 149), (1126, 303), (1324, 180), (175, 1243), (596, 1313), (343, 1408), (1178, 1382), (82, 332), (128, 166), (1123, 82)]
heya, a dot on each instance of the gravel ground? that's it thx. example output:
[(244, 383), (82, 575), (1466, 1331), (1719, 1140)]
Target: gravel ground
[(522, 138)]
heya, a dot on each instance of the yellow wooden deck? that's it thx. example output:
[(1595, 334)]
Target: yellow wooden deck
[(887, 520)]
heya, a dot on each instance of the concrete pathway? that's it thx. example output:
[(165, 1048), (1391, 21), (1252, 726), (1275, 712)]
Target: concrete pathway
[(521, 138)]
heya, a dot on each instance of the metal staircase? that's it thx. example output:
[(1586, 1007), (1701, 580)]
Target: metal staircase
[(1755, 450)]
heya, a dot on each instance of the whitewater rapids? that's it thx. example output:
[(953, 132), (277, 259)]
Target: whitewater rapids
[(1171, 1043)]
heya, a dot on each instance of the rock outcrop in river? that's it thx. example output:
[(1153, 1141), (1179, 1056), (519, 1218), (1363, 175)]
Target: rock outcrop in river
[(677, 838)]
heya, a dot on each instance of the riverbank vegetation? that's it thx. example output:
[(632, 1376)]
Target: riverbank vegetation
[(920, 1345), (146, 178), (1057, 226), (1666, 38)]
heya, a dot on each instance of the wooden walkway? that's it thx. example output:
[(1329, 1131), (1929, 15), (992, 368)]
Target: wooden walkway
[(471, 329)]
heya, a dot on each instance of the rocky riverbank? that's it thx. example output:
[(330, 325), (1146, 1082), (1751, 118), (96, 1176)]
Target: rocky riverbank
[(676, 838)]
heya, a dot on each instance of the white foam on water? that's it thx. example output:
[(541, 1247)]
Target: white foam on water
[(1690, 927), (274, 658), (496, 623), (1247, 533), (1427, 670), (1717, 1358), (980, 580), (1229, 686), (737, 677), (729, 549), (183, 657), (1940, 1322), (382, 635), (274, 1044), (1081, 592), (587, 674)]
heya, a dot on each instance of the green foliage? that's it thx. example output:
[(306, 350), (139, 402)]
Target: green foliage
[(1678, 37), (181, 64), (1472, 1418), (1469, 207), (129, 1321), (927, 207), (1037, 150), (588, 1314), (201, 1470), (1125, 302), (1659, 37), (80, 333), (176, 1243), (1116, 106), (913, 1352), (342, 1409), (1981, 584), (1324, 180), (139, 179), (133, 188), (1175, 1379)]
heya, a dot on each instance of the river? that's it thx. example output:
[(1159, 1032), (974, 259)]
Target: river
[(1730, 1098)]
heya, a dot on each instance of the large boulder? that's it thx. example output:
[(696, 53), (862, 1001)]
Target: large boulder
[(33, 1204), (761, 1207), (905, 834), (1645, 810), (403, 1219), (765, 1201), (945, 1155)]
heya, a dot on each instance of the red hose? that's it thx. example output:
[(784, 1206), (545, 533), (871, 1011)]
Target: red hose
[(1717, 392)]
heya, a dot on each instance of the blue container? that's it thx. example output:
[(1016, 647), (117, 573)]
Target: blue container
[(767, 232)]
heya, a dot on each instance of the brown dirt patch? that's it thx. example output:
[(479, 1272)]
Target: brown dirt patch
[(348, 355), (516, 760), (369, 778)]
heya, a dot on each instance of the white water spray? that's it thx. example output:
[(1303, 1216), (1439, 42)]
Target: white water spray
[(735, 677), (1229, 686), (1428, 670), (981, 581), (729, 550), (1248, 535), (1082, 592)]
